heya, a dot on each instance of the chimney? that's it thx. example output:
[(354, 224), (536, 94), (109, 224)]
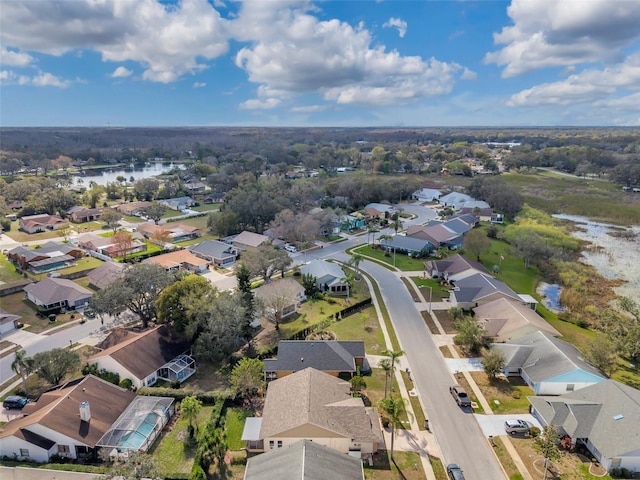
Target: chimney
[(85, 412)]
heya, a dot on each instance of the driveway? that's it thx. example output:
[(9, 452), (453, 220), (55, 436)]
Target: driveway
[(456, 365), (221, 281), (493, 425)]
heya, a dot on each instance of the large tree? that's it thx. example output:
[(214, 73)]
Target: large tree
[(243, 274), (53, 365), (111, 218), (493, 362), (393, 407), (23, 366), (247, 378), (138, 290), (470, 334), (190, 408), (265, 261), (274, 302), (155, 211), (476, 243), (174, 303)]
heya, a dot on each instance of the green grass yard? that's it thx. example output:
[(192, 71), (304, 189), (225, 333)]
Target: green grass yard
[(234, 425), (402, 260), (364, 326)]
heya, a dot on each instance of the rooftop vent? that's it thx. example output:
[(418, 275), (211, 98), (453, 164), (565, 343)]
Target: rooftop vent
[(85, 412)]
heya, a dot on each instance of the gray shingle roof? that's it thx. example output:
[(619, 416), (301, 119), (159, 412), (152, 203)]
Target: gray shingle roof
[(594, 412), (542, 357), (213, 249), (333, 356), (304, 460), (106, 274), (509, 319), (402, 242), (322, 268), (53, 290), (457, 264), (312, 397), (478, 286)]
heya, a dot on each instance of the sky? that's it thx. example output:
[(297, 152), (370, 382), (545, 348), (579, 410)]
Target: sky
[(298, 63)]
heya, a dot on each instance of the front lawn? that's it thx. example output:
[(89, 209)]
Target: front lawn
[(8, 273), (511, 394), (402, 260), (437, 292), (406, 466), (176, 451)]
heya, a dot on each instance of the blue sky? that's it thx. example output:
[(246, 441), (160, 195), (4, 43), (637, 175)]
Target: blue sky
[(319, 63)]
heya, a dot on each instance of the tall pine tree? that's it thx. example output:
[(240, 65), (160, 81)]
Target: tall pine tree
[(246, 294)]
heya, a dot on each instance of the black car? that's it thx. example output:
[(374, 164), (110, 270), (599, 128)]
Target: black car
[(454, 472), (14, 401)]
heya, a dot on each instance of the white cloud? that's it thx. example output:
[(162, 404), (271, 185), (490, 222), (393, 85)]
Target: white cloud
[(309, 108), (199, 85), (167, 39), (398, 23), (15, 59), (564, 33), (292, 52), (121, 72), (42, 79), (257, 104), (587, 86)]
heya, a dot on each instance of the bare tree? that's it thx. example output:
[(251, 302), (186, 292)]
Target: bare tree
[(277, 300), (111, 218), (123, 242)]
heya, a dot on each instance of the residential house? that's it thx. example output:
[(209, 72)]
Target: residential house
[(437, 234), (195, 187), (454, 268), (83, 214), (107, 246), (477, 289), (249, 240), (179, 203), (165, 356), (41, 223), (289, 287), (8, 321), (313, 405), (180, 259), (374, 214), (426, 195), (304, 460), (71, 421), (48, 257), (406, 244), (172, 232), (16, 205), (216, 253), (105, 275), (602, 418), (329, 276), (328, 356), (470, 220), (505, 320), (214, 197), (386, 209), (548, 365), (455, 200), (133, 208), (346, 223), (475, 204), (56, 294), (484, 214)]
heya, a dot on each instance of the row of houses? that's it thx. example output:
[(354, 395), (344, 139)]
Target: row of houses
[(596, 413)]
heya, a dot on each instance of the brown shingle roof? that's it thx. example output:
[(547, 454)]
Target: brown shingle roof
[(313, 397), (144, 353), (177, 258), (250, 239), (58, 410)]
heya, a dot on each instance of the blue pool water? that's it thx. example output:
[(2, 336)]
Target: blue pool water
[(135, 440)]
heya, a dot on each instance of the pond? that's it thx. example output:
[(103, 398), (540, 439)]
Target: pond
[(614, 251), (551, 296), (102, 176)]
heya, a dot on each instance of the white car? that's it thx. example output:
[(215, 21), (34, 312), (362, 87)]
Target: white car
[(516, 426), (290, 248)]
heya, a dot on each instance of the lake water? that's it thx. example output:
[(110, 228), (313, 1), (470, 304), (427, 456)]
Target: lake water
[(108, 175), (612, 257), (551, 294)]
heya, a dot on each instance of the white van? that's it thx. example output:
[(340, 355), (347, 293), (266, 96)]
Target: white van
[(290, 248)]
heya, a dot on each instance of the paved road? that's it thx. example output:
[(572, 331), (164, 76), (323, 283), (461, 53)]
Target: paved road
[(459, 435)]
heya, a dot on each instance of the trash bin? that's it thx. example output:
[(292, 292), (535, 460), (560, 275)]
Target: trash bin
[(426, 424)]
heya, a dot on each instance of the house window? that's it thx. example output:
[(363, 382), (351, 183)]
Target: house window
[(63, 449), (24, 452), (570, 387), (279, 443), (271, 444)]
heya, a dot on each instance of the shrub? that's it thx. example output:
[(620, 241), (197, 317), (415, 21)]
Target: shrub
[(126, 383), (534, 432), (516, 394)]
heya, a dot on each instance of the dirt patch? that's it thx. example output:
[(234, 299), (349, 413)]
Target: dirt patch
[(446, 353), (411, 288), (446, 320), (430, 323)]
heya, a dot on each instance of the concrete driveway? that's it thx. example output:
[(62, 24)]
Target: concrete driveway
[(456, 365), (220, 281), (493, 425)]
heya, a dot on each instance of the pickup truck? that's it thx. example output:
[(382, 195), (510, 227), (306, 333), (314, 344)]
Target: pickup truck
[(460, 396)]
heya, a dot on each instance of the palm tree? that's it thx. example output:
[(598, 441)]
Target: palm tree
[(394, 407), (23, 366), (385, 364), (190, 407), (393, 355), (355, 260), (397, 225)]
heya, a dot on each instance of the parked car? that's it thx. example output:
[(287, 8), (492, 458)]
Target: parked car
[(454, 472), (460, 396), (290, 248), (14, 401), (514, 426)]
